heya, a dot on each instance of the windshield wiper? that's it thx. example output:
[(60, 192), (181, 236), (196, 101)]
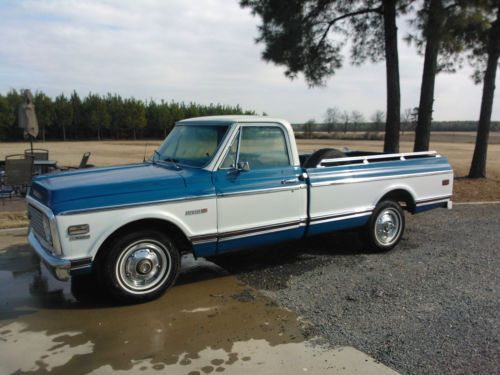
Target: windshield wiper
[(172, 160), (153, 158)]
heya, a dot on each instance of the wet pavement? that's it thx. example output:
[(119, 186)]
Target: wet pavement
[(210, 322)]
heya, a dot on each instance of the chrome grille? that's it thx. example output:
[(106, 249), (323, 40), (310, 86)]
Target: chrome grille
[(36, 221)]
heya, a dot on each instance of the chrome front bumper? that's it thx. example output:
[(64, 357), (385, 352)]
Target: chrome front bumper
[(61, 268)]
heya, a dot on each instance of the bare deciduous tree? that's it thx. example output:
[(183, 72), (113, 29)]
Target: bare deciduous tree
[(378, 119), (332, 117), (346, 118)]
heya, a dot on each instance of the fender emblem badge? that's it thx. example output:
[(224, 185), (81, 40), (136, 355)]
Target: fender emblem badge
[(75, 238), (197, 212)]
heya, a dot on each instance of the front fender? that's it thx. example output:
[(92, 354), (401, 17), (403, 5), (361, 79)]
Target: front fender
[(104, 223)]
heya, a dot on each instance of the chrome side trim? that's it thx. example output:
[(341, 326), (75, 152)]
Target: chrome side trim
[(319, 173), (427, 201), (195, 241), (82, 263), (339, 217), (262, 191), (133, 205), (212, 237), (261, 232), (365, 179)]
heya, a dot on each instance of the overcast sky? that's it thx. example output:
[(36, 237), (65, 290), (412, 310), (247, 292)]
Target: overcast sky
[(201, 51)]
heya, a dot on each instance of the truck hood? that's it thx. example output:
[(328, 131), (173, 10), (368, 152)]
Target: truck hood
[(96, 188)]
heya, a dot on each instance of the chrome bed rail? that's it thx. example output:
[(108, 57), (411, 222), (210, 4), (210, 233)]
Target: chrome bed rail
[(379, 157)]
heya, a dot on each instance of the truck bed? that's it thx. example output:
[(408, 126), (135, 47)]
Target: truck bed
[(365, 157), (343, 191)]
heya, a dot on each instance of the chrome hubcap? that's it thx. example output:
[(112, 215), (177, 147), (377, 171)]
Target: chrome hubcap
[(143, 266), (388, 226)]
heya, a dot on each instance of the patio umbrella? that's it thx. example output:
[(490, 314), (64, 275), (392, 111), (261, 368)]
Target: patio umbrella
[(27, 118)]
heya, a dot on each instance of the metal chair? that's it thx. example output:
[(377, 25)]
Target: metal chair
[(37, 154), (18, 172), (84, 161), (5, 190)]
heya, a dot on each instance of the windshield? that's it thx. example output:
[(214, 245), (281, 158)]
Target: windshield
[(192, 145)]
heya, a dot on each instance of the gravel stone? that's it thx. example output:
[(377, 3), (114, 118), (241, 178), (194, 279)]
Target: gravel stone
[(429, 306)]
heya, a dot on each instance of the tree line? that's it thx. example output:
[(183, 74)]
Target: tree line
[(310, 36), (102, 116), (337, 120)]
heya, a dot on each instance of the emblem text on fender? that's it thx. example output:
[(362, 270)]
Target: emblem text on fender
[(197, 212)]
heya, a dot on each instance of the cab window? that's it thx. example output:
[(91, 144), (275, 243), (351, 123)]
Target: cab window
[(260, 146)]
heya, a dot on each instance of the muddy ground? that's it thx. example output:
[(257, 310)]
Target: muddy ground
[(210, 322)]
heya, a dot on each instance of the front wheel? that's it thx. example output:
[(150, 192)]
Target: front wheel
[(385, 227), (141, 266)]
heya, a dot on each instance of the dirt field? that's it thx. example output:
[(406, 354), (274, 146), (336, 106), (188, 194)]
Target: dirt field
[(441, 137), (122, 152), (459, 154)]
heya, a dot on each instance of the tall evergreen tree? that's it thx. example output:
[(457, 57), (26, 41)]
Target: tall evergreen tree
[(63, 114), (7, 118), (297, 34), (486, 49), (100, 116), (44, 112), (96, 115), (77, 121), (440, 25), (13, 99)]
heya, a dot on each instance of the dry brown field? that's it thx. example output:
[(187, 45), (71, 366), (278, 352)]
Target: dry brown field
[(459, 155), (458, 150), (442, 137)]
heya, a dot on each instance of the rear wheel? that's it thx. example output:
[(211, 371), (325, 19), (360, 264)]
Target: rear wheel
[(386, 226), (141, 266)]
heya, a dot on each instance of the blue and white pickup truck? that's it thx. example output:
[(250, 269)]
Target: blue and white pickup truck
[(220, 184)]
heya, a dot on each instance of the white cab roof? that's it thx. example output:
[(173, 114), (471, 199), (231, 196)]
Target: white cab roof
[(232, 119)]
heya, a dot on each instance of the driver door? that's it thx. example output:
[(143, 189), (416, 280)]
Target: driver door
[(260, 198)]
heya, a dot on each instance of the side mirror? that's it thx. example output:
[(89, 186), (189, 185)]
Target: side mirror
[(243, 166)]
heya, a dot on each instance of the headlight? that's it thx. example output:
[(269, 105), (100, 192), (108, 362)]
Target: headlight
[(46, 229)]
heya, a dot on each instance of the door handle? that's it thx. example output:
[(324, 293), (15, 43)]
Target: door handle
[(289, 181)]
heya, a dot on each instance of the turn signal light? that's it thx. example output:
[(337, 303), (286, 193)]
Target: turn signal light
[(76, 230), (445, 182)]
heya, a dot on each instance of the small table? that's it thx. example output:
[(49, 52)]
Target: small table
[(43, 166)]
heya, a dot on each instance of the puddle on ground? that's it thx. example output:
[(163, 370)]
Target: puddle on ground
[(209, 322)]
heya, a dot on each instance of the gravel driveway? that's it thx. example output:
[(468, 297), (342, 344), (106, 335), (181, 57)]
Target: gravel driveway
[(430, 306)]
